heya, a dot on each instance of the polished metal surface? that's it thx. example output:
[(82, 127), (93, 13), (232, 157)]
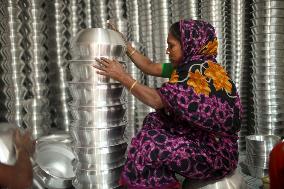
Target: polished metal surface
[(267, 52), (233, 181), (97, 107), (258, 148), (97, 42), (101, 154), (86, 94), (90, 136), (54, 160)]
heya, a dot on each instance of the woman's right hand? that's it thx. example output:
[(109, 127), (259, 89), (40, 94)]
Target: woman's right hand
[(24, 142)]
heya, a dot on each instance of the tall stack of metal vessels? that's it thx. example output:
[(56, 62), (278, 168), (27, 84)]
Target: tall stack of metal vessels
[(97, 110)]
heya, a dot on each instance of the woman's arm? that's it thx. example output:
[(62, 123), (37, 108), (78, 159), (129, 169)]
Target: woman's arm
[(147, 95), (143, 62)]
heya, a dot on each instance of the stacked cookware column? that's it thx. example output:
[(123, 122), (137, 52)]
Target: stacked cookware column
[(97, 111)]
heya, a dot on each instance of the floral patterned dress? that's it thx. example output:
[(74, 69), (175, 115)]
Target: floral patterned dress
[(195, 135)]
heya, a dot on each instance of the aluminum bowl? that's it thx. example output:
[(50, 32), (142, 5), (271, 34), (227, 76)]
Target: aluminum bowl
[(101, 155), (86, 94), (90, 136), (98, 114), (97, 42), (98, 176), (55, 162)]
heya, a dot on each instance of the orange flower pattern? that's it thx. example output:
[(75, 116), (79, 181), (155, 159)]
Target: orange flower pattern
[(199, 83), (210, 48), (219, 76), (174, 77)]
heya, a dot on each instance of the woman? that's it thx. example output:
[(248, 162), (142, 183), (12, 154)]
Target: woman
[(194, 129)]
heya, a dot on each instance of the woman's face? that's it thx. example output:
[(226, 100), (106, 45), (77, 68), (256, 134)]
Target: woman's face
[(174, 50)]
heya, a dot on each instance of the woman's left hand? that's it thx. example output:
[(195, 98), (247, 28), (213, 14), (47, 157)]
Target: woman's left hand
[(110, 68)]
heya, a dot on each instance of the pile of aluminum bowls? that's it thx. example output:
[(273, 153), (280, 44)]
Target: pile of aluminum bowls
[(99, 13), (184, 9), (12, 64), (216, 13), (117, 15), (268, 53), (161, 20), (98, 111), (241, 63), (58, 30), (258, 148)]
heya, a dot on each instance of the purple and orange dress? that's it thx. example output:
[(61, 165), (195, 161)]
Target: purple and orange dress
[(195, 134)]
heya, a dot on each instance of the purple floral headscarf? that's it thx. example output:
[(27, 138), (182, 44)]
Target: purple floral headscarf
[(199, 40)]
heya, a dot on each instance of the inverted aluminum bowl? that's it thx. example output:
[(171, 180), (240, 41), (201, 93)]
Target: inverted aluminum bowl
[(101, 155), (97, 42), (98, 114), (98, 176), (86, 94), (90, 136)]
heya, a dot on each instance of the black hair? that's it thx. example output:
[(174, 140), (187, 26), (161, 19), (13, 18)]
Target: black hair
[(175, 31)]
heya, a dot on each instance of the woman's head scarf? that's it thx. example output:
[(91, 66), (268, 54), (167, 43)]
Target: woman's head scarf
[(199, 41)]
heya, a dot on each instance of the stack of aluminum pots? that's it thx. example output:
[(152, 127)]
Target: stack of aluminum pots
[(5, 55), (84, 13), (13, 76), (133, 21), (58, 30), (36, 105), (216, 13), (176, 7), (117, 15), (98, 111), (99, 13), (146, 36), (78, 13), (160, 27), (258, 148), (189, 9), (268, 52), (241, 58)]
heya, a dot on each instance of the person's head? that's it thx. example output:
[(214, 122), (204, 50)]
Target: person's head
[(191, 40), (174, 49)]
